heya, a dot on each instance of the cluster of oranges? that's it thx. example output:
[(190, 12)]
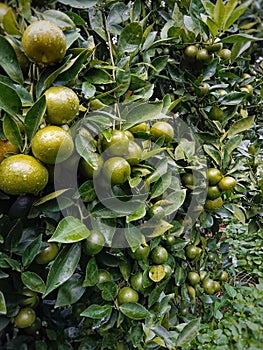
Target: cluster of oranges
[(20, 173)]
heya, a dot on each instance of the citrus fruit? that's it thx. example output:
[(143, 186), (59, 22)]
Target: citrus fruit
[(170, 240), (117, 170), (225, 54), (129, 134), (203, 89), (162, 129), (192, 251), (142, 127), (191, 291), (190, 52), (202, 275), (156, 212), (213, 192), (7, 147), (117, 145), (217, 286), (44, 43), (209, 286), (62, 105), (104, 276), (25, 317), (127, 295), (157, 273), (223, 276), (227, 183), (31, 298), (21, 174), (159, 255), (193, 277), (188, 180), (216, 113), (203, 56), (134, 153), (141, 252), (3, 11), (213, 176), (48, 254), (213, 204), (87, 170), (52, 145), (94, 243), (215, 47)]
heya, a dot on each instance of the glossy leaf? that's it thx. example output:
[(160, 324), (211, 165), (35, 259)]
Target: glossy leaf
[(3, 309), (240, 126), (63, 267), (34, 117), (133, 236), (70, 292), (80, 4), (9, 62), (91, 276), (70, 230), (130, 38), (142, 113), (189, 332), (109, 290), (97, 311), (135, 311), (59, 18), (9, 100), (10, 23), (33, 281), (12, 131), (31, 251)]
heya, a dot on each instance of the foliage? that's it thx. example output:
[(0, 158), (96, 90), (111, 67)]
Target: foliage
[(126, 61)]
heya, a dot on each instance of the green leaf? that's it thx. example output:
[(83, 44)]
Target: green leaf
[(97, 311), (9, 62), (189, 332), (31, 251), (70, 230), (63, 266), (230, 290), (99, 76), (92, 276), (3, 309), (235, 15), (213, 153), (80, 4), (10, 23), (161, 185), (139, 213), (219, 13), (240, 126), (33, 281), (61, 19), (238, 38), (34, 117), (73, 68), (130, 38), (70, 292), (232, 98), (9, 100), (229, 147), (12, 131), (49, 197), (142, 113), (133, 236), (180, 275), (109, 290), (135, 311), (88, 89)]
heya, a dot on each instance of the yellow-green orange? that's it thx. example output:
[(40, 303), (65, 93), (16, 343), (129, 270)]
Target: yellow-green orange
[(162, 129), (216, 113), (213, 204), (62, 105), (52, 144), (134, 153), (213, 192), (127, 295), (7, 147), (227, 183), (213, 176), (118, 143), (21, 174), (94, 243), (44, 43), (117, 170)]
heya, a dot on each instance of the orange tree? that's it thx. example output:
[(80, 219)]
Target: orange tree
[(137, 130)]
